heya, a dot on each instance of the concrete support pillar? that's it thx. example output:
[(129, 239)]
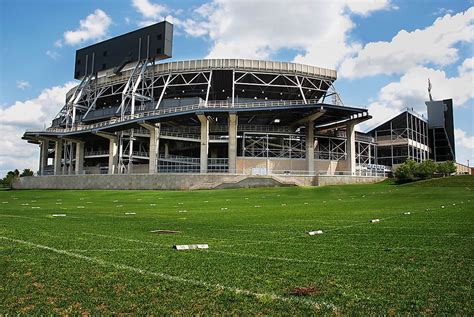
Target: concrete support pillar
[(310, 147), (113, 155), (69, 168), (113, 150), (204, 142), (79, 167), (153, 147), (350, 148), (58, 150), (43, 156), (167, 150), (232, 150)]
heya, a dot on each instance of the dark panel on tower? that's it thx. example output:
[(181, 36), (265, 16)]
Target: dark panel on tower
[(154, 41), (441, 130)]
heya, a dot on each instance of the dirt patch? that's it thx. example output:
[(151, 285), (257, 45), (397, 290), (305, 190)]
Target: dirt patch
[(305, 291)]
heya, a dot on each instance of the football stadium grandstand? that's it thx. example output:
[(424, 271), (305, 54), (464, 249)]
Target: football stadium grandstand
[(132, 113)]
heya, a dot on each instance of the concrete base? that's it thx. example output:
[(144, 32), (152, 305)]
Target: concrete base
[(181, 181)]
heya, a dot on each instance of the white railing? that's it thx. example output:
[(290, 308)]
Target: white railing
[(211, 105)]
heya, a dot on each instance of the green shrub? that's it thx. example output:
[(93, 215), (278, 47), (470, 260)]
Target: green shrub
[(425, 169), (446, 168), (406, 172)]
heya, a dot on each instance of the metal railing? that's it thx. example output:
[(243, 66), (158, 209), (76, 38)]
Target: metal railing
[(211, 105)]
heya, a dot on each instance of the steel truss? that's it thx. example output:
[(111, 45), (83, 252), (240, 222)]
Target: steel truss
[(273, 145)]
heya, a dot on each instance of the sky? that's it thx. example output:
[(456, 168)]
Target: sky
[(383, 50)]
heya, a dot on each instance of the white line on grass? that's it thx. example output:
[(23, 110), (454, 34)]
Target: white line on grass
[(175, 278)]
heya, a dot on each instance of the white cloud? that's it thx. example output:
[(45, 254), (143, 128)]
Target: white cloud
[(464, 140), (58, 44), (148, 9), (411, 91), (33, 113), (257, 29), (22, 84), (432, 45), (93, 27), (52, 54)]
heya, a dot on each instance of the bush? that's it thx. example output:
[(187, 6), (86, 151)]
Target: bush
[(446, 168), (425, 169), (406, 172), (411, 171)]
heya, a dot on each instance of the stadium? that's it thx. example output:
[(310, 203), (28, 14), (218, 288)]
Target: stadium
[(229, 119)]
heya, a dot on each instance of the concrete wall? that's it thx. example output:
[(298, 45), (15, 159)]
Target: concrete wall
[(181, 181), (126, 181)]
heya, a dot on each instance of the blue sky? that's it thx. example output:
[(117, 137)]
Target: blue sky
[(384, 51)]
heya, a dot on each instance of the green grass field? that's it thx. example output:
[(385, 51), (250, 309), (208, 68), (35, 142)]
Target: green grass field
[(99, 260)]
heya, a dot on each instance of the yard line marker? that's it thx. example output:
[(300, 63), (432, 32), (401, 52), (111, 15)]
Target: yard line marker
[(58, 215), (4, 202), (174, 278), (313, 233), (35, 207), (130, 213), (180, 247)]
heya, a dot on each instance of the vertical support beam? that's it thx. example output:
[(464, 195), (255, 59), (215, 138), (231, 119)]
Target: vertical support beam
[(113, 150), (232, 150), (204, 141), (58, 147), (153, 147), (208, 88), (350, 148), (43, 156), (69, 167), (113, 158), (310, 147), (79, 167), (233, 87)]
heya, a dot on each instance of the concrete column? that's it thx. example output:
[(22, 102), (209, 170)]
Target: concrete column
[(69, 168), (58, 149), (310, 147), (232, 150), (153, 147), (79, 167), (113, 155), (167, 150), (204, 142), (113, 150), (43, 156), (350, 148)]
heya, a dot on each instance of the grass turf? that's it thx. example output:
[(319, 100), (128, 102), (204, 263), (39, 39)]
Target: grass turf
[(99, 260)]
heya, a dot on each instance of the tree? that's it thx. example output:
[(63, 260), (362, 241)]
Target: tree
[(406, 172), (9, 178), (446, 168), (26, 172), (425, 169)]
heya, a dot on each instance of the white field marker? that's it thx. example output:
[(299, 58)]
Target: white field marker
[(35, 207), (88, 202), (190, 246), (283, 205), (152, 205), (454, 204), (227, 200), (139, 199), (182, 211), (80, 207), (206, 201), (4, 202), (119, 206), (25, 204), (180, 203), (130, 213), (257, 206), (160, 197), (442, 206), (81, 198), (407, 213), (33, 201), (246, 198), (223, 208), (58, 215), (59, 203), (316, 232), (306, 203), (375, 220)]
